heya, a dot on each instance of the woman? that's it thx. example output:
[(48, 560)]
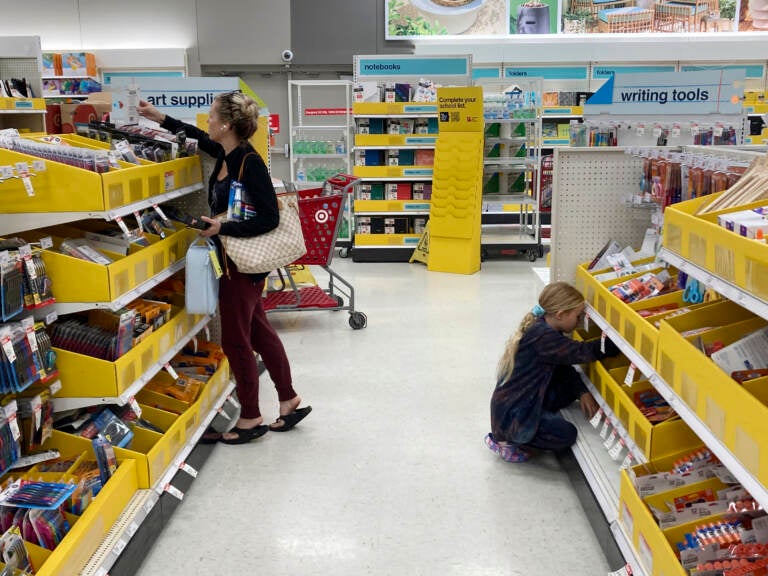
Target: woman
[(232, 120)]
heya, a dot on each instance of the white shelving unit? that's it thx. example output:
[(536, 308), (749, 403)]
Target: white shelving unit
[(320, 137), (511, 180), (20, 57)]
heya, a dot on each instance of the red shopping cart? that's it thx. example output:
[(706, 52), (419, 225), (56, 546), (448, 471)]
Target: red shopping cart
[(320, 211)]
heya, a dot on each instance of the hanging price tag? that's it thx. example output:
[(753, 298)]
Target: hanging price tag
[(603, 336), (123, 227), (133, 527), (31, 271), (618, 448), (6, 172), (207, 332), (169, 181), (10, 414), (610, 440), (32, 338), (641, 129), (596, 419), (160, 212), (630, 378), (38, 166), (717, 130), (586, 321), (22, 169), (223, 414), (171, 371), (10, 353), (676, 131), (604, 430), (627, 461), (175, 492), (37, 410), (46, 243), (188, 469), (134, 406), (656, 131), (51, 317), (138, 220), (55, 387)]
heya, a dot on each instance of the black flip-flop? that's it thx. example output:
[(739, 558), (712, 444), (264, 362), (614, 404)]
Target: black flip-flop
[(245, 435), (290, 420)]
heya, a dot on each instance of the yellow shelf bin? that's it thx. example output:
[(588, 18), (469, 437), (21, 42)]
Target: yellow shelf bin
[(392, 171), (64, 188), (404, 206), (364, 140), (393, 108), (87, 533), (7, 103), (733, 414), (77, 280), (655, 440), (85, 377), (701, 240), (410, 240)]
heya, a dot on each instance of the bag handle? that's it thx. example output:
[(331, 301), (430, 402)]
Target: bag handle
[(242, 166)]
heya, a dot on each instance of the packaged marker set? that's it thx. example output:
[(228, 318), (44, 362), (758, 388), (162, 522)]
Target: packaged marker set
[(26, 356), (84, 158), (24, 282), (134, 141)]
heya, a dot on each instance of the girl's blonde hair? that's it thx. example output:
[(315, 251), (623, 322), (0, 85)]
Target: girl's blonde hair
[(556, 297), (239, 111)]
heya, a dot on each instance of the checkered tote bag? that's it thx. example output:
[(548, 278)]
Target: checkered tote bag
[(276, 248)]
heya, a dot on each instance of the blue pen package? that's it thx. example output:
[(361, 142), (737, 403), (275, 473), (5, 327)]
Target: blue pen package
[(105, 456), (113, 429)]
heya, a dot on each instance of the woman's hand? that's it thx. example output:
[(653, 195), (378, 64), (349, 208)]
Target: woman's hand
[(213, 229), (146, 110), (588, 405)]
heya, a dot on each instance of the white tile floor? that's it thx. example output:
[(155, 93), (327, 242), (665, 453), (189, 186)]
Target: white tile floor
[(389, 474)]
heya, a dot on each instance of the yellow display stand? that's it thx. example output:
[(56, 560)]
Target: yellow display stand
[(454, 241)]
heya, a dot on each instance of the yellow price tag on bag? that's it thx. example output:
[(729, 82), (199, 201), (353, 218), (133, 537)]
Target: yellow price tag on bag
[(216, 264)]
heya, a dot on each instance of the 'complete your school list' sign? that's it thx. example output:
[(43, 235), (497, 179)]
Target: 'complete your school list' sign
[(670, 93)]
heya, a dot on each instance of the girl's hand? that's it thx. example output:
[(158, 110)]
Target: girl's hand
[(146, 110), (588, 405), (213, 229)]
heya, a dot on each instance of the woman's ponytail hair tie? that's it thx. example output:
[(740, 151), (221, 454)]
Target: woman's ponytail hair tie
[(538, 311)]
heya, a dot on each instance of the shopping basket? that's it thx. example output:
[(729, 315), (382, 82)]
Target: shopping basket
[(320, 211)]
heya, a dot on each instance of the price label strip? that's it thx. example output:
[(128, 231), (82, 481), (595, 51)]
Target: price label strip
[(630, 378)]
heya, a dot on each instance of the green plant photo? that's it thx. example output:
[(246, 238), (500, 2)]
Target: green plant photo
[(402, 23)]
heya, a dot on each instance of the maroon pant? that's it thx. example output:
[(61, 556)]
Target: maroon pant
[(245, 329)]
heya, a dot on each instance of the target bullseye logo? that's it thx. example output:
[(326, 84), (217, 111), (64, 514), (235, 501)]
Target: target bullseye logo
[(322, 216)]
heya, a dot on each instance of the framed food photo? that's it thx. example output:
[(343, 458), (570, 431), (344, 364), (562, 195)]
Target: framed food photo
[(465, 18)]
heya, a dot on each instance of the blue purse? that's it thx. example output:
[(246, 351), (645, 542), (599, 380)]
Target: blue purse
[(202, 277)]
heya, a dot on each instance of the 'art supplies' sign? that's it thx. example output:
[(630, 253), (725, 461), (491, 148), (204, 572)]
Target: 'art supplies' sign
[(669, 93), (460, 109), (181, 98)]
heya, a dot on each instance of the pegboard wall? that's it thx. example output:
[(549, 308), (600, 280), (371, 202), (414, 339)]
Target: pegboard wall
[(590, 188)]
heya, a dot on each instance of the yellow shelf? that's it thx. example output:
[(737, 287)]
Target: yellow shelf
[(63, 188), (87, 377), (22, 104), (391, 206), (363, 140), (387, 240), (394, 108), (392, 171), (80, 281), (700, 240), (736, 415), (87, 534), (755, 107)]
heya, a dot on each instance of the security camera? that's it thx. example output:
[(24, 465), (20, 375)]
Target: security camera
[(287, 56)]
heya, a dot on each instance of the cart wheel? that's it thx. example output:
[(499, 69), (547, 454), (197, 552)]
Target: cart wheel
[(532, 255), (343, 252), (541, 251), (339, 300), (358, 320)]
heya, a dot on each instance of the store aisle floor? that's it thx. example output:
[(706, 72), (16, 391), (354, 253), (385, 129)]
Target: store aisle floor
[(389, 474)]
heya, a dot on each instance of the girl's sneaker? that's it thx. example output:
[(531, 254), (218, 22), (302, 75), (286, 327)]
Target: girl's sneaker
[(507, 452)]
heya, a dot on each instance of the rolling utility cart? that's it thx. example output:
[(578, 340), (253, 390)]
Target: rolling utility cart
[(320, 210)]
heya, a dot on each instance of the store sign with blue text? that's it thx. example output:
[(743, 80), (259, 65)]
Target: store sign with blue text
[(670, 93), (373, 67), (181, 98)]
